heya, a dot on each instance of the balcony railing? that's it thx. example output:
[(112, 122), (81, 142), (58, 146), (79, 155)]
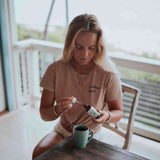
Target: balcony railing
[(33, 56)]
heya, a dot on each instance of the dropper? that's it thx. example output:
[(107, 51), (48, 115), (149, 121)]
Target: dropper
[(76, 101), (90, 109)]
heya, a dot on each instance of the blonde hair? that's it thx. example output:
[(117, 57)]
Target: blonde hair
[(87, 23)]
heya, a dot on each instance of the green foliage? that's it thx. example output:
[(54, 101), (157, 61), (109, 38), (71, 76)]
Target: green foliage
[(139, 75), (58, 35), (25, 33), (151, 56)]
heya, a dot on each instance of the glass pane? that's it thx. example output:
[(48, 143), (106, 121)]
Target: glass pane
[(131, 26), (57, 25), (148, 111), (31, 17)]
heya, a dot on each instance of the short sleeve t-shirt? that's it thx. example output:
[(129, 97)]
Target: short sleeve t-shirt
[(94, 88)]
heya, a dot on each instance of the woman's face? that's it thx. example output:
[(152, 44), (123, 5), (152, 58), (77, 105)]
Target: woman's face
[(85, 47)]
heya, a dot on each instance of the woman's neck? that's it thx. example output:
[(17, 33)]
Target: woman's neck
[(82, 69)]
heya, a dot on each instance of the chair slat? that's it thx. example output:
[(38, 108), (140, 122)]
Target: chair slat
[(127, 134)]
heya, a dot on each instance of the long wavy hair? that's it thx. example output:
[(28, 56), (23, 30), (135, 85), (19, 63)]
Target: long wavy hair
[(87, 23)]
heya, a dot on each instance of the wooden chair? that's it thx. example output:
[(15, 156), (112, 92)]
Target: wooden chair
[(133, 93)]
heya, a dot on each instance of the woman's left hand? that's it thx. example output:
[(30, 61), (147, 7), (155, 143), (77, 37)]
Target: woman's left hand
[(103, 117)]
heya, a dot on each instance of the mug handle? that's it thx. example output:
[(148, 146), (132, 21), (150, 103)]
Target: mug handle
[(92, 133)]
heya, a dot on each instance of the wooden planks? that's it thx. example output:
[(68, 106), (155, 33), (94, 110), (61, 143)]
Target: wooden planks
[(95, 150)]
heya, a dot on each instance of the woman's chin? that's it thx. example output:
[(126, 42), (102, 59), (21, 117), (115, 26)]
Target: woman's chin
[(83, 63)]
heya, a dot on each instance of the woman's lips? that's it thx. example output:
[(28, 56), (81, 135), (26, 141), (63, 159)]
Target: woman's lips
[(83, 59)]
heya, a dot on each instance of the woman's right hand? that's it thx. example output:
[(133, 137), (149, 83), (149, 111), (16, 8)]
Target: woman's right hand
[(63, 104)]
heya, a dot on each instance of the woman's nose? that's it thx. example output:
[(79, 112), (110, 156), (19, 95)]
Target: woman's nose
[(85, 53)]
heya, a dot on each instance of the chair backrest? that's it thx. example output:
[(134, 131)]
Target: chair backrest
[(133, 94)]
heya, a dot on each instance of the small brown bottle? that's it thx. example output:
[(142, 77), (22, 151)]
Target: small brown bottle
[(90, 110)]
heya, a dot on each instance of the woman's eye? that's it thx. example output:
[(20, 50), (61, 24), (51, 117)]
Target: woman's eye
[(92, 48), (79, 47)]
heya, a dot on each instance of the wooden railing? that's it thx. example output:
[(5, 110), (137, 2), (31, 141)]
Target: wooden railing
[(28, 71), (138, 63)]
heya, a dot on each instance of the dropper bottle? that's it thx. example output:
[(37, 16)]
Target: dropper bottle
[(90, 110)]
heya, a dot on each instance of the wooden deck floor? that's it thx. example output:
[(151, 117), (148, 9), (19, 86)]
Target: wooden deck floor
[(148, 111)]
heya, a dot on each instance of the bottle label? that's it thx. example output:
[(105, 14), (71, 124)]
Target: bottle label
[(93, 112)]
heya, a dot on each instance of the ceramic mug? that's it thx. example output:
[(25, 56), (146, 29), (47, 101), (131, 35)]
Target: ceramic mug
[(82, 135)]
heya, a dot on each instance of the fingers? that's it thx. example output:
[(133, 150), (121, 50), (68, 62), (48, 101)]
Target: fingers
[(64, 103), (64, 99), (64, 108), (102, 117)]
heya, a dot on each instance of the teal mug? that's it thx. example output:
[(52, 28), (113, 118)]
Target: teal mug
[(82, 135)]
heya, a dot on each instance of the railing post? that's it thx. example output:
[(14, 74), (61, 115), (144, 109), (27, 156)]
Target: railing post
[(24, 77), (33, 75), (36, 74), (18, 87)]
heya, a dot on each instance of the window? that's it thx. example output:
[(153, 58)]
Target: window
[(131, 27), (31, 17)]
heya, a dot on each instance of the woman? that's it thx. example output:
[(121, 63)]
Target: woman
[(84, 72)]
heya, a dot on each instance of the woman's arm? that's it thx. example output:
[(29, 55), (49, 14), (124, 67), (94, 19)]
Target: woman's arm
[(48, 110), (116, 109), (46, 106)]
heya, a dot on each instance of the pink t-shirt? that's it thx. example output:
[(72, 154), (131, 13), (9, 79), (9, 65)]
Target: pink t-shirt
[(94, 88)]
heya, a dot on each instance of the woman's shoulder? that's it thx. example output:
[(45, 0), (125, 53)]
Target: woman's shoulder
[(103, 71), (107, 75), (58, 64)]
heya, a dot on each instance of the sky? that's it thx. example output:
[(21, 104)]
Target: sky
[(131, 25), (115, 12)]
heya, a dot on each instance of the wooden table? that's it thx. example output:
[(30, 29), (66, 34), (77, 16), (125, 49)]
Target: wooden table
[(95, 150)]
